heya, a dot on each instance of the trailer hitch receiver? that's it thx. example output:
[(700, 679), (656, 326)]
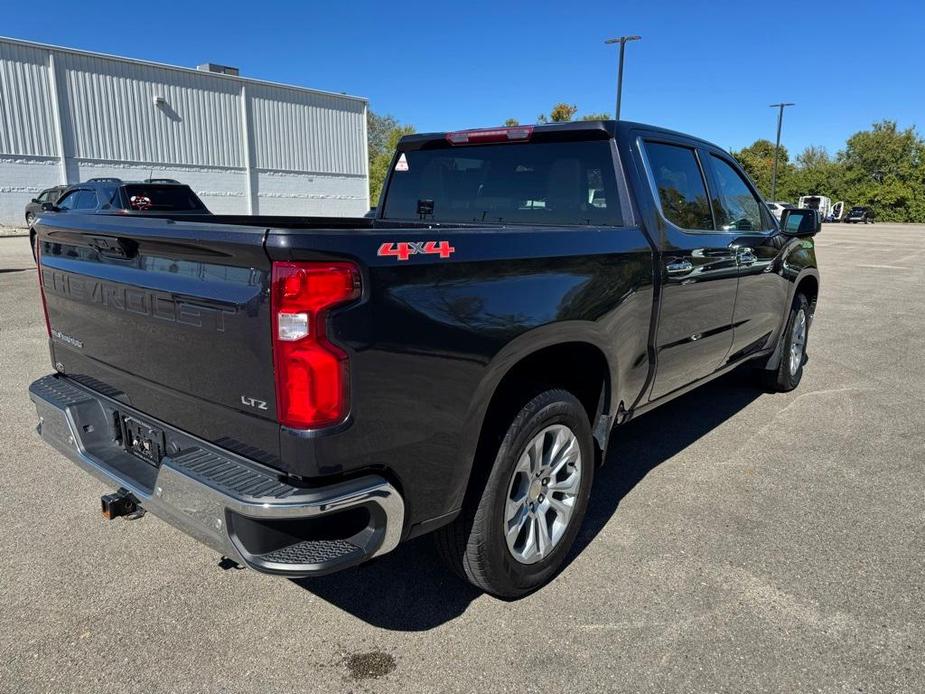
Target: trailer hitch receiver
[(120, 503)]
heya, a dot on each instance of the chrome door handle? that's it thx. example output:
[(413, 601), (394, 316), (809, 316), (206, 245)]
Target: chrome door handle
[(679, 267), (746, 256)]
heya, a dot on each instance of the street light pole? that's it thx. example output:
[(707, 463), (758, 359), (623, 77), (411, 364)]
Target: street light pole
[(780, 120), (622, 40)]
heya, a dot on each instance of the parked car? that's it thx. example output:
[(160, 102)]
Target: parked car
[(859, 214), (115, 196), (303, 394), (777, 208), (34, 206)]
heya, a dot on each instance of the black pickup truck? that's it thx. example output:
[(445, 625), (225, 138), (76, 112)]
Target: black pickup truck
[(303, 394)]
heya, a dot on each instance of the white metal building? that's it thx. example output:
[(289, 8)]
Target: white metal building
[(245, 146)]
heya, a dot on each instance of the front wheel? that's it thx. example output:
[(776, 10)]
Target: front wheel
[(789, 372), (517, 535)]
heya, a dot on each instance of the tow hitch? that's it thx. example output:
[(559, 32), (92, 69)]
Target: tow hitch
[(121, 503)]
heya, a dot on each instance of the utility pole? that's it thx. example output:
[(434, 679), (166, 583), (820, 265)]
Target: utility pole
[(622, 40), (780, 120)]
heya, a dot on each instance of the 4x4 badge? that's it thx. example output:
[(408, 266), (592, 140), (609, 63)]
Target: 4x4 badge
[(403, 250)]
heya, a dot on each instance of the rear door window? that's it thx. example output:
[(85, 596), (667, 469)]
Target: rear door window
[(551, 183), (738, 209), (680, 186)]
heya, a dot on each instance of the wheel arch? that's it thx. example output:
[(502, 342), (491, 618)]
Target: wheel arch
[(808, 285), (807, 282), (522, 368)]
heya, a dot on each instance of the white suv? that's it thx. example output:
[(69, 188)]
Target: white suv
[(778, 207)]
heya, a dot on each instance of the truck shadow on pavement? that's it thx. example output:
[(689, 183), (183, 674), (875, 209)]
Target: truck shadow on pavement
[(410, 590)]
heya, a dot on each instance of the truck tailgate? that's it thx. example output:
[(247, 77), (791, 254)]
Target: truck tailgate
[(171, 317)]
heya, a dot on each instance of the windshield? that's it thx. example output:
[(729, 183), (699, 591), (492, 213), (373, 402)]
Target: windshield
[(158, 198), (523, 183)]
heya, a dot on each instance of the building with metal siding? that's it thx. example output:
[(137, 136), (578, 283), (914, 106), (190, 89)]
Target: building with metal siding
[(244, 145)]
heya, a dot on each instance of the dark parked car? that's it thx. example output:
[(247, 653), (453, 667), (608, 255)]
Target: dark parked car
[(859, 214), (34, 206), (153, 196), (303, 394)]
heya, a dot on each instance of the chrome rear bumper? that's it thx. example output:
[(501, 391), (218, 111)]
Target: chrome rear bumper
[(239, 508)]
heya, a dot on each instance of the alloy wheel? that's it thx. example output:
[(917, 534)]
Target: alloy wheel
[(797, 342), (542, 494)]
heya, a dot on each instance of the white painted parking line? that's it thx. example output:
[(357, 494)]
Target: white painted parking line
[(886, 267)]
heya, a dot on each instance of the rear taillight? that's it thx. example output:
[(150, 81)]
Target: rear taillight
[(311, 373), (38, 269), (488, 135)]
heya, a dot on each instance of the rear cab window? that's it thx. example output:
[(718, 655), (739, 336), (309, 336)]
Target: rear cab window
[(160, 198), (535, 183)]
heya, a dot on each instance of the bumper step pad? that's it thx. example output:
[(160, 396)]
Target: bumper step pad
[(312, 552)]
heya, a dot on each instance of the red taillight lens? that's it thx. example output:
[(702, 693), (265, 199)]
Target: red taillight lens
[(489, 135), (311, 373), (38, 270)]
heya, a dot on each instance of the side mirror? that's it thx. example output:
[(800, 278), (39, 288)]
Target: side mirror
[(35, 199), (800, 222), (48, 207)]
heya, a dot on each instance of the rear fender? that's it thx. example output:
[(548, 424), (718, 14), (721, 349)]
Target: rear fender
[(522, 347)]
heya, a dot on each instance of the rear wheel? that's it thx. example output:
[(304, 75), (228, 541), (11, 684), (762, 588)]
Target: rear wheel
[(515, 537), (789, 371), (30, 219)]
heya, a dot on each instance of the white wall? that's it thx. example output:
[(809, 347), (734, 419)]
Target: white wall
[(242, 145), (21, 178)]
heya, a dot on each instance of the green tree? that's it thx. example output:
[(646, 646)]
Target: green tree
[(813, 157), (560, 113), (815, 173), (758, 161), (511, 122), (383, 134), (884, 167), (596, 116)]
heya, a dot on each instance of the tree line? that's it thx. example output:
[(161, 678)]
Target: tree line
[(883, 167)]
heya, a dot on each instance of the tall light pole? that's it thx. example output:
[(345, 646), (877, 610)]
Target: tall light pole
[(622, 40), (780, 120)]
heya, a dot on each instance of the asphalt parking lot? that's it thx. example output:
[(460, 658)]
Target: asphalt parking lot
[(769, 543)]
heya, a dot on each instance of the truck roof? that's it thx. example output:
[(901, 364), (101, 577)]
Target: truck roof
[(558, 131)]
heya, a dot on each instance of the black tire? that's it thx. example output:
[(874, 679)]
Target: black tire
[(784, 378), (474, 545)]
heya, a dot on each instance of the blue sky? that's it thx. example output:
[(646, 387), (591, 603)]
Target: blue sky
[(710, 68)]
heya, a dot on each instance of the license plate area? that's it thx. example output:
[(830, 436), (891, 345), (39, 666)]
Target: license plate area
[(142, 440)]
